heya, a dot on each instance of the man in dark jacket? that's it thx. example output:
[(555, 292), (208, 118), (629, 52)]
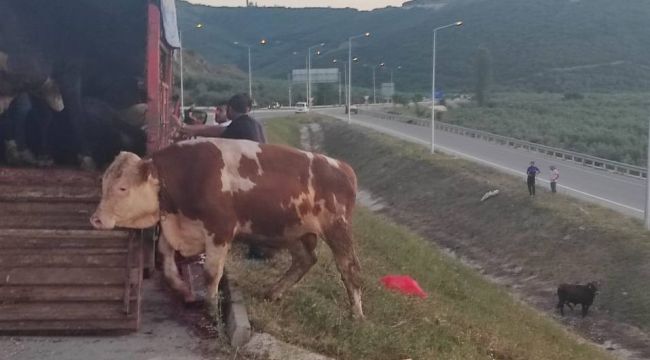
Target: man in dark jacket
[(242, 127)]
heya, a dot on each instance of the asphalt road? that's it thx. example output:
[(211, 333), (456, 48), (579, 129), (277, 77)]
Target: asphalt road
[(621, 193)]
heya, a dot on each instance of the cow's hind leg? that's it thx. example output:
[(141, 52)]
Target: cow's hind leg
[(215, 260), (303, 257), (339, 239), (170, 270)]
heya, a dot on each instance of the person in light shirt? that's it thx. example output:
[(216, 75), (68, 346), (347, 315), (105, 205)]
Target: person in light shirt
[(555, 175)]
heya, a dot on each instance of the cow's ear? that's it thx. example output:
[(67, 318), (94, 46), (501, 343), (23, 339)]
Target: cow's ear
[(148, 172)]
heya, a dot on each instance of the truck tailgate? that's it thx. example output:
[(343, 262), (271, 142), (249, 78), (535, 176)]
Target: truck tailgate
[(57, 274)]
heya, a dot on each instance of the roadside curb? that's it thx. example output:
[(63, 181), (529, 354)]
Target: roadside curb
[(238, 326)]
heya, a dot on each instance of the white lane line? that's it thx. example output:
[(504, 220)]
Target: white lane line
[(486, 162)]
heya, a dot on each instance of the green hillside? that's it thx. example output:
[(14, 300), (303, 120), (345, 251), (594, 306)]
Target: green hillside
[(551, 45)]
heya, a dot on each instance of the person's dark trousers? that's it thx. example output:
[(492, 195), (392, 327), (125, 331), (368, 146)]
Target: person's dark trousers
[(553, 186), (531, 185)]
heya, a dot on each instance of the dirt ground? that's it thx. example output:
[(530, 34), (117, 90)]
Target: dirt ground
[(168, 331)]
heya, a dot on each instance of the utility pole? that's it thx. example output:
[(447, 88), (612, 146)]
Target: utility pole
[(290, 86)]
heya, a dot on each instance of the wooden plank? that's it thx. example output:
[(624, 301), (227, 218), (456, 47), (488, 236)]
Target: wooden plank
[(41, 193), (68, 207), (47, 311), (66, 327), (85, 234), (23, 294), (66, 276), (48, 259), (45, 243), (73, 251), (23, 222)]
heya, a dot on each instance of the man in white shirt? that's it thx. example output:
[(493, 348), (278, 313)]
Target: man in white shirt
[(555, 175)]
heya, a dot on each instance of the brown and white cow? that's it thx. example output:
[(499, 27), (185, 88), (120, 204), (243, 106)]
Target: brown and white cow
[(206, 192)]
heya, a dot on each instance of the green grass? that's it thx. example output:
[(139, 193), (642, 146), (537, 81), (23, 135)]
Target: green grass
[(554, 238), (464, 317), (612, 126)]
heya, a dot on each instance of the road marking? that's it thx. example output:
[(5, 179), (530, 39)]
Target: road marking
[(486, 162)]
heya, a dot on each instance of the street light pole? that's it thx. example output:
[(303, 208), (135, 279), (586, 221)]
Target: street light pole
[(309, 71), (290, 86), (250, 67), (349, 102), (433, 85), (374, 86), (250, 74), (647, 182), (180, 38)]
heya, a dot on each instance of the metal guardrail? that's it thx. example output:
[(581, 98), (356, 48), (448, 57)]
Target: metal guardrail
[(556, 153)]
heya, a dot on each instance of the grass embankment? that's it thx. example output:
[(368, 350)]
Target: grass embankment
[(465, 317), (611, 126)]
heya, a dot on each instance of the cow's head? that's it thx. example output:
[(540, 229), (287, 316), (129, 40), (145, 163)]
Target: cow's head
[(129, 195), (593, 287)]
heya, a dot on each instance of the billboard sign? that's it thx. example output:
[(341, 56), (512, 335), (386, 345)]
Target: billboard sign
[(387, 90), (318, 76)]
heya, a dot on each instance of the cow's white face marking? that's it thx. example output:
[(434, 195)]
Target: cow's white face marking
[(232, 152), (129, 194)]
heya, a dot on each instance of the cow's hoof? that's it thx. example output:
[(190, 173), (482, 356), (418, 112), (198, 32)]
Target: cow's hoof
[(87, 163)]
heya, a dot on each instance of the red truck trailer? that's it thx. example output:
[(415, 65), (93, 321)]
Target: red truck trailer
[(57, 274)]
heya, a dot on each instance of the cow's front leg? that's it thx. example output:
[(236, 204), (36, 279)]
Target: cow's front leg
[(215, 259), (170, 270)]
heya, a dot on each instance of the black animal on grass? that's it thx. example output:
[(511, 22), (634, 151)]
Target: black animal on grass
[(576, 294)]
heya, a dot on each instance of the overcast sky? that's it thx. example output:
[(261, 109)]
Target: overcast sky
[(359, 4)]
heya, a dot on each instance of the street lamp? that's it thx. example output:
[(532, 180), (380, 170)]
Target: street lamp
[(392, 69), (309, 70), (349, 102), (250, 72), (374, 82), (180, 38), (433, 83)]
